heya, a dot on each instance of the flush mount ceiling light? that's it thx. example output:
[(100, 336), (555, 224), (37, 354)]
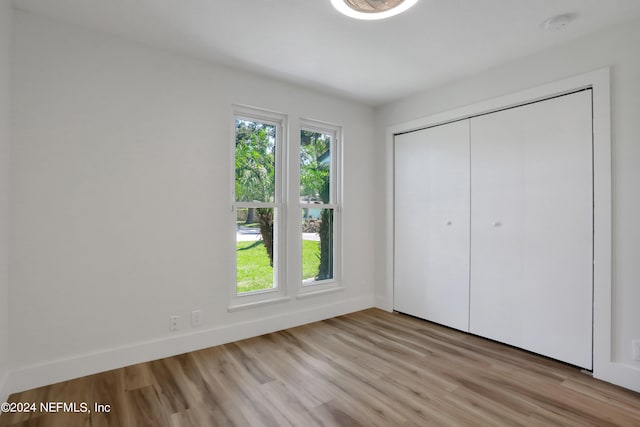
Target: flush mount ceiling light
[(372, 9)]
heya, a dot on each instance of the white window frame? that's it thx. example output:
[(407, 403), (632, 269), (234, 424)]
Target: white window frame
[(279, 292), (335, 203)]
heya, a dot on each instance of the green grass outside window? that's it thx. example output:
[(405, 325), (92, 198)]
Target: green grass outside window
[(254, 272)]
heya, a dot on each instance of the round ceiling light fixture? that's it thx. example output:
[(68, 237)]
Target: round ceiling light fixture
[(372, 9)]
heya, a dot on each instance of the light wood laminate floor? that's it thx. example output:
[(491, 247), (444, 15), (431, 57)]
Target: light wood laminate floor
[(369, 368)]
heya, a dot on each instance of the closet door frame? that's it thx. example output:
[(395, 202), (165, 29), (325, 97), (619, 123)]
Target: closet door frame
[(604, 364)]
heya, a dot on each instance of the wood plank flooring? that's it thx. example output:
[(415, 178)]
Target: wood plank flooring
[(369, 368)]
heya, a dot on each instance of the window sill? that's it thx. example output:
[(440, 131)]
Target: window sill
[(319, 292), (238, 307)]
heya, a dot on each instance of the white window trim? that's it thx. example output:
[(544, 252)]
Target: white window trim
[(321, 287), (277, 294)]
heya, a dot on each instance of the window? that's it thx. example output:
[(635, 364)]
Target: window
[(257, 203), (271, 196), (319, 203)]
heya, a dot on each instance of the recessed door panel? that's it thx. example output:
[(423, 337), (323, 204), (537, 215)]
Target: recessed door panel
[(432, 224)]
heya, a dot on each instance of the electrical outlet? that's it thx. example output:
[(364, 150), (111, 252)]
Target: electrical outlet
[(196, 318), (174, 323), (636, 349)]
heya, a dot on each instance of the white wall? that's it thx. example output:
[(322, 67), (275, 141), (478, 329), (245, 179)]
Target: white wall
[(121, 185), (617, 48), (5, 67)]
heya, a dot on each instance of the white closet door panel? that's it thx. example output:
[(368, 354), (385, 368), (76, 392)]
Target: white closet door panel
[(531, 227), (432, 224)]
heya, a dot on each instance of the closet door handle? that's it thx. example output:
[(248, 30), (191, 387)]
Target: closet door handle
[(497, 223), (449, 223)]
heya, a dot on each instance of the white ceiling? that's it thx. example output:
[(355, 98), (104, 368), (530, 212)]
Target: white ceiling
[(309, 43)]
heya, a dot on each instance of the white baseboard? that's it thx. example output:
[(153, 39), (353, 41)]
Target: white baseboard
[(620, 374), (51, 372), (54, 371)]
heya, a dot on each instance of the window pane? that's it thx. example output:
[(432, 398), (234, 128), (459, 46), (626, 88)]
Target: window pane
[(315, 166), (255, 255), (255, 161), (317, 244)]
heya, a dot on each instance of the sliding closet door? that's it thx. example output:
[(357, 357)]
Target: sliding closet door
[(432, 224), (531, 227)]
